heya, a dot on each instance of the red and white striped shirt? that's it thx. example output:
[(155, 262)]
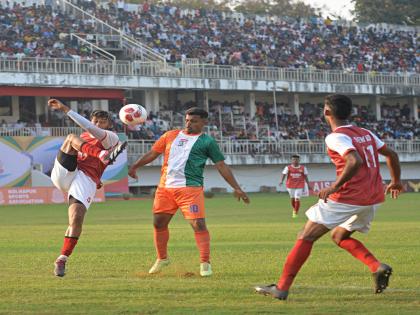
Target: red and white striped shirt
[(365, 187)]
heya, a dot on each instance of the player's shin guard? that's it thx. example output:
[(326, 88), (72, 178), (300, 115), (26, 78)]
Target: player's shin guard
[(68, 246), (161, 238), (297, 205), (359, 251), (202, 238), (294, 261)]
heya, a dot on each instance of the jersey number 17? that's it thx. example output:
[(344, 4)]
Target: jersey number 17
[(369, 155)]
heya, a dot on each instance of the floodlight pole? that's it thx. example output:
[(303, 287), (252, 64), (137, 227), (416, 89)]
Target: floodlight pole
[(220, 124)]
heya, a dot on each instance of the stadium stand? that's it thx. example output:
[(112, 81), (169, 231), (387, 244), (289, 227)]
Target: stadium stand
[(181, 33), (39, 31), (268, 41), (395, 123), (43, 31)]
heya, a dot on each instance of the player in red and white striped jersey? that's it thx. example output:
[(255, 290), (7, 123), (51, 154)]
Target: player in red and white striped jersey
[(296, 175), (349, 204)]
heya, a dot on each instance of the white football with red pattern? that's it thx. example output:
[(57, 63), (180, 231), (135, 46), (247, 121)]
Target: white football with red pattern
[(133, 114)]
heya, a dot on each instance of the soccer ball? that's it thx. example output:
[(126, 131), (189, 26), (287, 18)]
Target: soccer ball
[(133, 114)]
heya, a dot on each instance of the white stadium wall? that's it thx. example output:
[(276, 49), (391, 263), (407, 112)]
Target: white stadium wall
[(136, 82), (252, 177)]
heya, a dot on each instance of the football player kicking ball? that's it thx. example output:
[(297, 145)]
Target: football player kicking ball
[(350, 203), (78, 168), (181, 184)]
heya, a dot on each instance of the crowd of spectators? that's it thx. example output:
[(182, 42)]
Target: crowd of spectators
[(234, 39), (212, 37), (395, 122), (229, 120), (39, 31)]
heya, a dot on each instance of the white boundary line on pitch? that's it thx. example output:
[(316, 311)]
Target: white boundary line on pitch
[(358, 288)]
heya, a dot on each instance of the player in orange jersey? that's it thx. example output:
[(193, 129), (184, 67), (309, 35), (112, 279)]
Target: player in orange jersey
[(78, 168), (185, 154), (349, 204), (296, 175)]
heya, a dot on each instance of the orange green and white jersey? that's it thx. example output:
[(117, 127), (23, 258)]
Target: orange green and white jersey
[(185, 156)]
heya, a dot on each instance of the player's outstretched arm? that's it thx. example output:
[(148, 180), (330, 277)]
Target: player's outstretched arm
[(227, 174), (395, 187), (84, 123), (353, 163), (145, 159), (282, 179)]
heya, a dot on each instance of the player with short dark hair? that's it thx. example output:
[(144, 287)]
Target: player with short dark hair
[(196, 111), (349, 204), (181, 184), (78, 168), (296, 175)]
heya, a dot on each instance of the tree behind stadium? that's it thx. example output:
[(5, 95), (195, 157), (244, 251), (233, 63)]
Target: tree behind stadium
[(387, 11), (276, 7)]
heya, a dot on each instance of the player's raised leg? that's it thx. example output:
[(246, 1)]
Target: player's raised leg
[(106, 156), (98, 128)]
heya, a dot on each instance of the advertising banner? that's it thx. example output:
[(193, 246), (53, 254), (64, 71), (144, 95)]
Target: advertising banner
[(20, 155), (410, 185), (38, 195)]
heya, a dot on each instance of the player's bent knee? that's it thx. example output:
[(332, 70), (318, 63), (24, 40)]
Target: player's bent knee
[(159, 225), (307, 238), (160, 222), (299, 234), (70, 137), (337, 238), (67, 146), (198, 225)]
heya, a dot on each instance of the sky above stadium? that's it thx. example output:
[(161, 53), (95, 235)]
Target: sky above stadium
[(333, 7)]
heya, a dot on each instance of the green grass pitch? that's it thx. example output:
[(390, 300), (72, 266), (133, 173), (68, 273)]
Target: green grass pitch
[(107, 273)]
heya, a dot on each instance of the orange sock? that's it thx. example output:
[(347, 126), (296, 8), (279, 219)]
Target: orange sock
[(202, 239), (161, 237)]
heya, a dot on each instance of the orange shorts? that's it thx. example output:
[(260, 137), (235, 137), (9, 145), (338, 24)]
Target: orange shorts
[(189, 199)]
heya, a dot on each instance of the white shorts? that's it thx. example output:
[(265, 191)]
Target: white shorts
[(295, 192), (76, 183), (350, 217)]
